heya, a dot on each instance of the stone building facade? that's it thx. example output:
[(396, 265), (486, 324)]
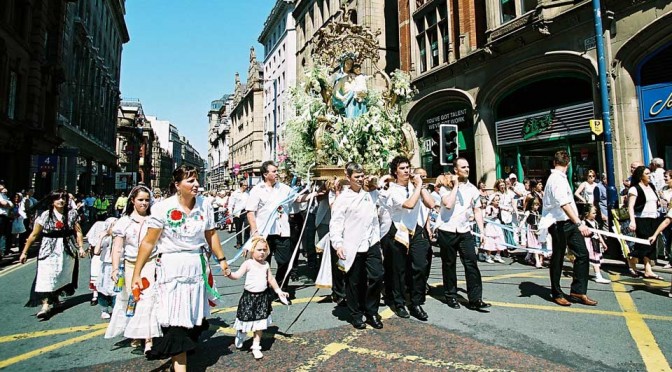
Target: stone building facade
[(279, 40), (520, 80), (218, 142), (247, 121), (32, 69)]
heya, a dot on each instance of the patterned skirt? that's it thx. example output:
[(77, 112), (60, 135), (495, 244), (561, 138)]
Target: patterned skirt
[(254, 311)]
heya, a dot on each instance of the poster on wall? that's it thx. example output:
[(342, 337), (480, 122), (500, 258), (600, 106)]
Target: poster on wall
[(124, 180)]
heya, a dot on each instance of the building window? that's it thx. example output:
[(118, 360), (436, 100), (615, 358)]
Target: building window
[(422, 45), (11, 97), (511, 9)]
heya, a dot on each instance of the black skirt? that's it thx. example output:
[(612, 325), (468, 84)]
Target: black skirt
[(255, 306), (645, 228), (175, 341)]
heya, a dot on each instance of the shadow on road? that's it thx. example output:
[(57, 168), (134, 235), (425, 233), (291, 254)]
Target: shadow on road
[(529, 289)]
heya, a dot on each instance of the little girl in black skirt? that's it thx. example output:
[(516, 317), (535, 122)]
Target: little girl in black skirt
[(254, 307)]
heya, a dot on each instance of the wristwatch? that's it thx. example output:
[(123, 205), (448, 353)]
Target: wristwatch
[(578, 224), (220, 259)]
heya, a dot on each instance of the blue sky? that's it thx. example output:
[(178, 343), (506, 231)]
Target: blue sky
[(184, 53)]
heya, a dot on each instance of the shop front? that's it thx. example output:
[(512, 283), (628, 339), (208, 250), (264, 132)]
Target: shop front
[(539, 117), (426, 124), (655, 97)]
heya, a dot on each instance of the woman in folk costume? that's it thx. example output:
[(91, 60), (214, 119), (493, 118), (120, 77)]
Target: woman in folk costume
[(104, 283), (128, 233), (57, 261), (355, 236), (182, 227), (94, 238)]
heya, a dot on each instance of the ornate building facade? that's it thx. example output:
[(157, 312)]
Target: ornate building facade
[(520, 80), (247, 121), (219, 172), (279, 40)]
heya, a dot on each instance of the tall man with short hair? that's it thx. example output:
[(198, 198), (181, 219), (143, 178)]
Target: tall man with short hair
[(409, 245), (355, 235), (457, 205), (567, 230)]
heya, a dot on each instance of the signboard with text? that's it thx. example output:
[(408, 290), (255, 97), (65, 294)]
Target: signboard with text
[(657, 102), (47, 163)]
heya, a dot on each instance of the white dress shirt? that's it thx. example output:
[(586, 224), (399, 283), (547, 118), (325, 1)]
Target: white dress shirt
[(354, 222), (380, 199), (556, 194), (397, 196), (238, 202), (456, 219), (263, 200), (182, 232)]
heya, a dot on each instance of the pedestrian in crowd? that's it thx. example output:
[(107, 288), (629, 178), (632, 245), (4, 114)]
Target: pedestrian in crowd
[(5, 224), (585, 193), (157, 196), (665, 200), (643, 205), (662, 227), (120, 204), (101, 205), (336, 187), (104, 283), (268, 217), (457, 205), (94, 237), (483, 192), (237, 204), (28, 209), (657, 176), (595, 244), (323, 213), (355, 236), (254, 307), (507, 207), (566, 230), (90, 209), (494, 242), (520, 190), (182, 228), (297, 214), (602, 202), (128, 234), (409, 243), (57, 260), (18, 216), (424, 220), (435, 193), (530, 227)]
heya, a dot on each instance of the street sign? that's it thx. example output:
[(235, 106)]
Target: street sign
[(596, 127), (47, 163)]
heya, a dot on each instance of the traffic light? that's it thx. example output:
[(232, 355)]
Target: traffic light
[(448, 142)]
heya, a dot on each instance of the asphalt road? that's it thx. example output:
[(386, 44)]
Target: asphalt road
[(628, 331)]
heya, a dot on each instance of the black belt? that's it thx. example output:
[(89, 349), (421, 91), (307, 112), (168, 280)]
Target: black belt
[(59, 234)]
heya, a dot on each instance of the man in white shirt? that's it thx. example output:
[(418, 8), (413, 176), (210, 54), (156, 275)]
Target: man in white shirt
[(355, 235), (408, 241), (457, 206), (237, 203), (268, 218), (657, 177), (559, 206)]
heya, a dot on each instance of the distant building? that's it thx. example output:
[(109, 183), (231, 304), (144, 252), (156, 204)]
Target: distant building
[(279, 40), (219, 142), (135, 142), (247, 121)]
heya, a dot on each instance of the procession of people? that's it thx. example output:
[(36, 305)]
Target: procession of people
[(153, 282)]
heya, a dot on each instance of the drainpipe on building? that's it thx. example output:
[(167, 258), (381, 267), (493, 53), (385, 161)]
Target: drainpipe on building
[(612, 195), (275, 120)]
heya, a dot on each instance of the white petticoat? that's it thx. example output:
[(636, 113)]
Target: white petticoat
[(96, 265), (256, 325), (182, 298), (104, 283), (55, 271), (143, 324)]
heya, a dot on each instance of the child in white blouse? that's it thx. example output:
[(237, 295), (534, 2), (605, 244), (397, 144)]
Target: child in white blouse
[(254, 307)]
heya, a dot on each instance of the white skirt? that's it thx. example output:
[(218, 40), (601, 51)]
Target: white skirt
[(55, 271), (104, 283), (257, 325), (96, 265), (143, 324), (182, 298)]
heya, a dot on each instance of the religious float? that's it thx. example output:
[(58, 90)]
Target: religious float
[(339, 113)]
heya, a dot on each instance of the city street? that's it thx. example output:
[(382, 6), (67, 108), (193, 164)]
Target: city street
[(627, 331)]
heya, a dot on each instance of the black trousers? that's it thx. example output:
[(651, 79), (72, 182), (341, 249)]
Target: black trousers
[(337, 277), (388, 281), (450, 243), (363, 283), (241, 223), (295, 226), (564, 234), (413, 259), (308, 240), (281, 248)]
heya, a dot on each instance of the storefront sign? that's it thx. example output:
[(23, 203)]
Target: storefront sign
[(456, 117), (657, 103), (535, 125)]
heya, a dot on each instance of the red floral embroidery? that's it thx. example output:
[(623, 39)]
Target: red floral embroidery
[(175, 215), (59, 225)]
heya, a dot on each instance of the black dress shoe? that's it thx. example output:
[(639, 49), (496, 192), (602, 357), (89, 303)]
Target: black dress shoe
[(418, 313), (374, 321), (358, 323), (478, 305), (452, 302), (401, 312)]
